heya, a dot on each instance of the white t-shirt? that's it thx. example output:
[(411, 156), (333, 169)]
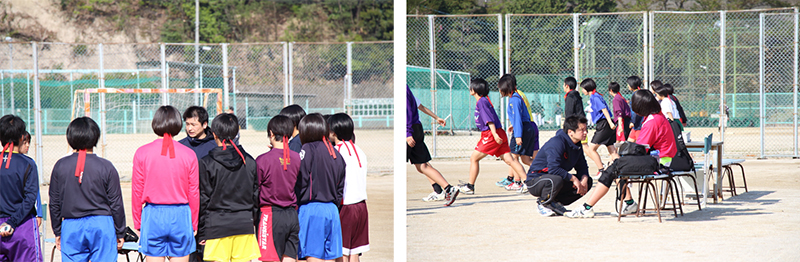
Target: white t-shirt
[(355, 178), (668, 106)]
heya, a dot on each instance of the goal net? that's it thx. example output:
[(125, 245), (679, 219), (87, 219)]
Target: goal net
[(130, 111)]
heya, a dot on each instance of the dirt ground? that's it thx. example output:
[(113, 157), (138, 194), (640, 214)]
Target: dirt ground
[(379, 205), (498, 225)]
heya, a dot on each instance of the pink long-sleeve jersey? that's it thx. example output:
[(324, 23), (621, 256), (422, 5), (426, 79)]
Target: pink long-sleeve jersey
[(158, 179)]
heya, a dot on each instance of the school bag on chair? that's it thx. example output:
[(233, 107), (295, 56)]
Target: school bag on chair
[(682, 160)]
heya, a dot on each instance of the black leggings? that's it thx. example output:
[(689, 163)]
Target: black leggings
[(549, 188)]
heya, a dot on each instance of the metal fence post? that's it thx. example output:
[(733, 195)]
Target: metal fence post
[(102, 84), (503, 101), (37, 105), (164, 73), (432, 48), (794, 84), (575, 45), (225, 88), (508, 44), (349, 79), (651, 51), (291, 76), (11, 67), (761, 78), (645, 48), (285, 74), (722, 46)]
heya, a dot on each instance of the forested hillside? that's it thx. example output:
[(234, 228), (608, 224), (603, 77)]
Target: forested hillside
[(229, 21), (582, 6)]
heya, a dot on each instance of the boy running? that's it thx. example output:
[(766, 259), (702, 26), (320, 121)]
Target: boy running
[(634, 84), (417, 152), (622, 112), (86, 207), (604, 129), (493, 138), (524, 142)]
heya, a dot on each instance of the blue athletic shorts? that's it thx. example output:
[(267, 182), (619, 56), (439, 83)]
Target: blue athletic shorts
[(166, 231), (530, 140), (320, 231), (91, 238)]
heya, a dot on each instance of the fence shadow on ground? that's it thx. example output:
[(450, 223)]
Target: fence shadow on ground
[(741, 205), (462, 201)]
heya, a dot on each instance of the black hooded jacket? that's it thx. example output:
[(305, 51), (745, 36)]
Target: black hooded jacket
[(573, 104), (228, 194)]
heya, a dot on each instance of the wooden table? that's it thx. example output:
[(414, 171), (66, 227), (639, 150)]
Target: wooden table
[(717, 146)]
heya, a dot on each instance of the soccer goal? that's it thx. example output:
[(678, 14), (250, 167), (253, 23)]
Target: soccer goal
[(129, 111)]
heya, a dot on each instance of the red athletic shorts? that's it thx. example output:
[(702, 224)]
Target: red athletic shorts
[(634, 134), (488, 146)]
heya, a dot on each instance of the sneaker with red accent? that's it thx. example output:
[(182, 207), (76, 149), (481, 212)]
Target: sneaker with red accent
[(450, 196), (513, 187)]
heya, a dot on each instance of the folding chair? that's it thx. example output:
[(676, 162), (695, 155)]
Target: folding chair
[(706, 167), (647, 182)]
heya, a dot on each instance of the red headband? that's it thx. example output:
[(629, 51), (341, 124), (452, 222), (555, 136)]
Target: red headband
[(166, 145), (80, 166)]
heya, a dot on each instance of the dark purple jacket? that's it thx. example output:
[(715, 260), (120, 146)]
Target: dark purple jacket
[(621, 108), (412, 115), (277, 185), (321, 177)]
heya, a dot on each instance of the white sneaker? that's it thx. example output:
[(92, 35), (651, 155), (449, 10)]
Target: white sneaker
[(523, 189), (545, 211), (580, 212), (630, 209), (464, 188), (434, 197), (513, 187)]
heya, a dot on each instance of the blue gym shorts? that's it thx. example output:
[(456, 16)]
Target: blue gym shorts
[(167, 231), (90, 238), (530, 140), (320, 231)]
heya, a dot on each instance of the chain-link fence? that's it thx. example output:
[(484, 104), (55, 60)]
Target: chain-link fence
[(778, 84), (123, 85), (696, 52), (463, 46), (687, 54)]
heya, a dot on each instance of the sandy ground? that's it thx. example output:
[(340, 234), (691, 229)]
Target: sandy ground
[(739, 142), (379, 205), (498, 225)]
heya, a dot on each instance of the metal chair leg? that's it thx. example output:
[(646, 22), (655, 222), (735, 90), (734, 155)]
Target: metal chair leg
[(744, 179), (655, 199)]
